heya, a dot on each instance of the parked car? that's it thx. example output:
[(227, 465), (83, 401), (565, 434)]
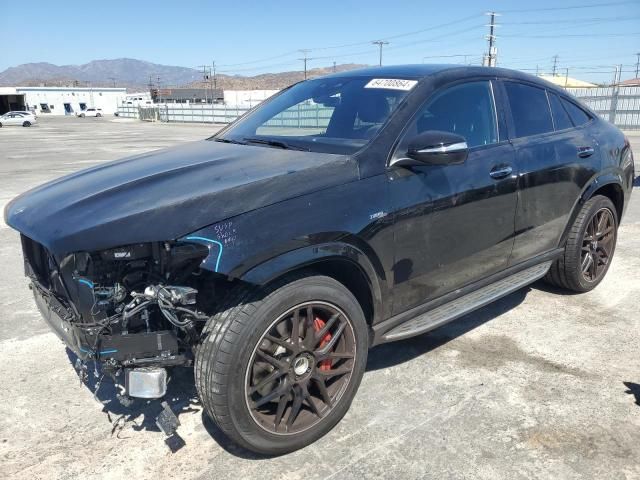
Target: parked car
[(273, 255), (90, 112), (24, 119)]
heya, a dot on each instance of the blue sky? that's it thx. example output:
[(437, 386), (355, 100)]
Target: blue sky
[(251, 37)]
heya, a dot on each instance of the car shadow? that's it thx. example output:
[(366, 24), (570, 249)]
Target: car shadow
[(395, 353), (633, 389), (139, 414)]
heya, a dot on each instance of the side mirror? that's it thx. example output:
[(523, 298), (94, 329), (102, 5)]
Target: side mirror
[(435, 148)]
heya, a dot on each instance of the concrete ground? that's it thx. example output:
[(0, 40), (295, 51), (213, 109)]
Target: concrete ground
[(540, 384)]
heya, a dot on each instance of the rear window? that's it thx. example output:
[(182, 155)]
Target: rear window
[(578, 115), (529, 109), (560, 115)]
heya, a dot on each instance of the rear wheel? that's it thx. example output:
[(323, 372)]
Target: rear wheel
[(26, 124), (278, 369), (590, 247), (98, 114)]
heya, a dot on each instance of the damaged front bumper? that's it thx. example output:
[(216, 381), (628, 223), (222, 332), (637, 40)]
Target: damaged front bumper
[(143, 349)]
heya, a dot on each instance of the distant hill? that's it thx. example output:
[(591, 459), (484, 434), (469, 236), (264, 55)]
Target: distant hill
[(135, 74)]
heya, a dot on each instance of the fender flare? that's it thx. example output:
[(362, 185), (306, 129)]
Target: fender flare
[(275, 267), (605, 178)]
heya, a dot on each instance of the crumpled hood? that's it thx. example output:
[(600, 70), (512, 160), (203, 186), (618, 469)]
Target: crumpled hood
[(166, 194)]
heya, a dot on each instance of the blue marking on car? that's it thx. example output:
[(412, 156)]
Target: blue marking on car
[(88, 283), (204, 239)]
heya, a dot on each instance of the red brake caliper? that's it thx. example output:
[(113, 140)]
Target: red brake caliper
[(318, 323)]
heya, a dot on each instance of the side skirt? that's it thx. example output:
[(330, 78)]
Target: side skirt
[(456, 304)]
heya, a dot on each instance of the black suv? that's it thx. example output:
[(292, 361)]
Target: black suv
[(344, 212)]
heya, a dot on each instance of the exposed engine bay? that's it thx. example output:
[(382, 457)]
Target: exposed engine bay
[(134, 309)]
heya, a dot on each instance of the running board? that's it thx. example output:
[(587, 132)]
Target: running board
[(465, 304)]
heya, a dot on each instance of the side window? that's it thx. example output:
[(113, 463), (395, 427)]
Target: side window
[(578, 115), (560, 116), (467, 110), (529, 109)]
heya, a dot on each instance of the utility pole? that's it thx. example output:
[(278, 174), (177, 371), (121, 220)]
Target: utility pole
[(334, 67), (555, 64), (215, 82), (566, 77), (380, 44), (159, 96), (205, 80), (637, 64), (113, 80), (491, 57), (305, 59)]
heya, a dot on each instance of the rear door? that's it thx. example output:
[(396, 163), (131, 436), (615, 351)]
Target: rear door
[(555, 158)]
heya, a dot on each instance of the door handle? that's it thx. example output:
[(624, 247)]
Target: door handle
[(584, 152), (500, 172)]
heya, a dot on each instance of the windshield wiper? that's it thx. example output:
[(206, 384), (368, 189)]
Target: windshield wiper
[(275, 143), (228, 140)]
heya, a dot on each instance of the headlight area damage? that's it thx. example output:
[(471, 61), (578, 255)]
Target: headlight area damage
[(134, 310)]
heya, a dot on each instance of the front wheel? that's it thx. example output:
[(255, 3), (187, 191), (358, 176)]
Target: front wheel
[(26, 124), (279, 368), (98, 114), (589, 248)]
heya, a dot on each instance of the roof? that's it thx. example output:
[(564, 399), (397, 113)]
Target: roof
[(632, 82), (419, 71), (565, 81), (71, 89)]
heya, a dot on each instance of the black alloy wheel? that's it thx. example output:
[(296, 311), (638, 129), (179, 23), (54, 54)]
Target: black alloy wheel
[(26, 124), (597, 244), (300, 368), (589, 247), (279, 365)]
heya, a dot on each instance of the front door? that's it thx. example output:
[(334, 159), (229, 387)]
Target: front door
[(454, 224)]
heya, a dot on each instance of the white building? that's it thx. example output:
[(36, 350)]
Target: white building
[(61, 100), (246, 98)]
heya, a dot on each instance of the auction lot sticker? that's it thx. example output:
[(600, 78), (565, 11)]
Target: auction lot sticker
[(391, 83)]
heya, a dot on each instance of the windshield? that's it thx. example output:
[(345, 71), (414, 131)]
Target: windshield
[(332, 115)]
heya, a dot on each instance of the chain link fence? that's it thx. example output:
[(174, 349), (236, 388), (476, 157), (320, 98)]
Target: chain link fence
[(617, 104)]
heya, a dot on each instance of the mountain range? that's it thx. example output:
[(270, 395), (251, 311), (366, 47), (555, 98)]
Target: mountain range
[(138, 74)]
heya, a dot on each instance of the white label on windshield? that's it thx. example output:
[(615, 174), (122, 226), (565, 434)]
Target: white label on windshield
[(391, 83)]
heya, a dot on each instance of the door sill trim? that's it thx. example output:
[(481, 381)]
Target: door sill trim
[(453, 305)]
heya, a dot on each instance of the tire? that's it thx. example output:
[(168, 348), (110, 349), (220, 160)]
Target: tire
[(0, 125), (232, 352), (98, 114), (26, 124), (568, 271), (81, 115)]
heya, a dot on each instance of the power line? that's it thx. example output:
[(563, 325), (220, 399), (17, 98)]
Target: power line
[(572, 7), (330, 47), (578, 22), (576, 35)]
